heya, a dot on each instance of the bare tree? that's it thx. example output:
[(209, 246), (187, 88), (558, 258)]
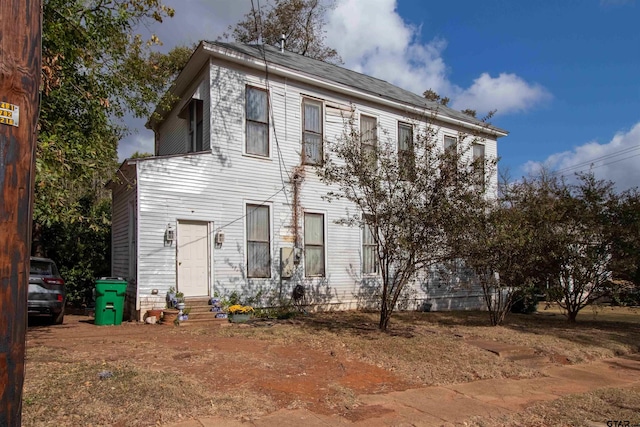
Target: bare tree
[(410, 193), (300, 21)]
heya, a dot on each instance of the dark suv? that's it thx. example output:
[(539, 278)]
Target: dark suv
[(46, 290)]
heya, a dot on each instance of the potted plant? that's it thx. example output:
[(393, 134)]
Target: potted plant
[(171, 313), (179, 304), (239, 313)]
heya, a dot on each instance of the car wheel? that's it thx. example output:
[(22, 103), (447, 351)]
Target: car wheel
[(57, 319)]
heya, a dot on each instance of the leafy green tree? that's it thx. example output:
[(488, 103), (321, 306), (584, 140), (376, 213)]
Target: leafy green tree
[(496, 247), (625, 263), (416, 200), (95, 69), (569, 252), (301, 22)]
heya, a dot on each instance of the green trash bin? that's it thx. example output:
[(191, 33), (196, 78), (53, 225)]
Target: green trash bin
[(110, 292)]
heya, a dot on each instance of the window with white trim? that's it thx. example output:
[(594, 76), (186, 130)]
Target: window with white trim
[(257, 118), (312, 152), (314, 265), (258, 241)]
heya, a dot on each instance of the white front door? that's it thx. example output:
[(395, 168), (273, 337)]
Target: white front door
[(193, 258)]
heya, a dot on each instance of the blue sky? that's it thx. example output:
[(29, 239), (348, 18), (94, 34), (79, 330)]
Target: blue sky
[(564, 75)]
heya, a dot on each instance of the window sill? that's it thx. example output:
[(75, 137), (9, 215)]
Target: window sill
[(257, 156)]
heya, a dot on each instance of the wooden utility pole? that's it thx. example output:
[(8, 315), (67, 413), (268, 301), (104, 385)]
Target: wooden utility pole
[(20, 63)]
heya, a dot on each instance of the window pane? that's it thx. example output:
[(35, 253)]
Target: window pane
[(312, 117), (450, 143), (314, 244), (313, 229), (405, 137), (258, 223), (256, 105), (368, 130), (314, 261), (478, 151), (478, 159), (258, 241), (312, 148), (369, 259), (367, 235), (258, 262), (257, 137)]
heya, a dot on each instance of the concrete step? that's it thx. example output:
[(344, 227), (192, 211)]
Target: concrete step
[(197, 302), (203, 321)]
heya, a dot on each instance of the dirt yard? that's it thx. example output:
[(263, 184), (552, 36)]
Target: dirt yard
[(137, 374)]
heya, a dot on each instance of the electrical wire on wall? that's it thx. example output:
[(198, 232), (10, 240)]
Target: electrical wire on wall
[(257, 17)]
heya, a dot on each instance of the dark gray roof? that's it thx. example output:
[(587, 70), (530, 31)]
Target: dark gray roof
[(346, 77)]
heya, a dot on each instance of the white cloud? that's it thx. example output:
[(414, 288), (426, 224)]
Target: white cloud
[(197, 20), (393, 52), (616, 160), (390, 51), (507, 93), (380, 44)]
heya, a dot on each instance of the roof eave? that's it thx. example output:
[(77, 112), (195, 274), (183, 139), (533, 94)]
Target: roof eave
[(181, 83), (221, 52)]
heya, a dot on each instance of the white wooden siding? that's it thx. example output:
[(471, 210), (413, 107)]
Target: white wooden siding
[(124, 191), (215, 187), (173, 131)]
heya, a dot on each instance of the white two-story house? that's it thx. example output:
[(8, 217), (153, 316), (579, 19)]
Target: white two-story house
[(214, 211)]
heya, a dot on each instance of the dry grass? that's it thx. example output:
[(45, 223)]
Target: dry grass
[(575, 410), (63, 387), (63, 390), (431, 348)]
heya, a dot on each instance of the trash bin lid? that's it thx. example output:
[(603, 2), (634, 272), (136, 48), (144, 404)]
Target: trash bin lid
[(111, 280)]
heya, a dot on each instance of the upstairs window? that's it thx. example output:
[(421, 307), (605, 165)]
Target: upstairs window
[(450, 144), (195, 126), (257, 114), (451, 151), (478, 162), (312, 133), (406, 155), (368, 140), (313, 245), (258, 241)]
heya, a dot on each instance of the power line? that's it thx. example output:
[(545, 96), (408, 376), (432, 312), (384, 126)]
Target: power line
[(578, 166), (263, 203), (610, 163), (257, 16)]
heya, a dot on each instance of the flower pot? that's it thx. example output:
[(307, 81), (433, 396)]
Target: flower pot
[(239, 317), (181, 306), (169, 316)]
